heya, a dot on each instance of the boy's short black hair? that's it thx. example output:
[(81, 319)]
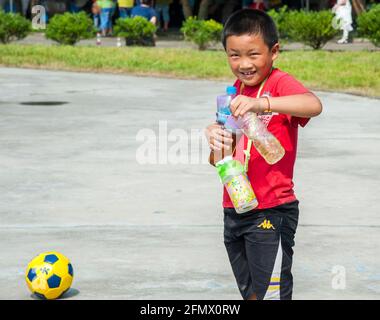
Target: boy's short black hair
[(253, 22)]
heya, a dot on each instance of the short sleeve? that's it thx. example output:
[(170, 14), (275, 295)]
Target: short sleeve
[(288, 86)]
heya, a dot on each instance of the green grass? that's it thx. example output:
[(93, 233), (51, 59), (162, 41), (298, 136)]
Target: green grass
[(352, 72)]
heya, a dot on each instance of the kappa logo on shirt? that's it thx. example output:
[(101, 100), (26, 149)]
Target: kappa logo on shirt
[(266, 225)]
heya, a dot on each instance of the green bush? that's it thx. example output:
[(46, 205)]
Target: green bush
[(312, 28), (136, 31), (69, 28), (201, 32), (369, 24), (13, 26), (279, 17)]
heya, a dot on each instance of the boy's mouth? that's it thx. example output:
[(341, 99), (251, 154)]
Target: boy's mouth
[(247, 74)]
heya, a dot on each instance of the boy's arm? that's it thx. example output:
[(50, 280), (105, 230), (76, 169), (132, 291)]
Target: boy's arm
[(305, 105)]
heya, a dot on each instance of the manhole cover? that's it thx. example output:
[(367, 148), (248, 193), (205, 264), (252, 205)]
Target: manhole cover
[(43, 103)]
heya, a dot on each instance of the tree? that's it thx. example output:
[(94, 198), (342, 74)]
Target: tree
[(358, 6), (203, 9), (187, 9), (323, 4), (229, 7), (202, 12)]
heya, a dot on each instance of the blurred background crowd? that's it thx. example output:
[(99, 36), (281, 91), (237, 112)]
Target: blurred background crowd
[(169, 13)]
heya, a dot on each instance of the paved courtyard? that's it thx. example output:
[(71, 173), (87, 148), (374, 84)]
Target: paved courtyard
[(72, 181)]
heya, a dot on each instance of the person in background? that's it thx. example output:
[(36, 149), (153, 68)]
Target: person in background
[(162, 9), (5, 5), (107, 10), (145, 10), (343, 12), (125, 8), (258, 5), (95, 10), (73, 7), (25, 7)]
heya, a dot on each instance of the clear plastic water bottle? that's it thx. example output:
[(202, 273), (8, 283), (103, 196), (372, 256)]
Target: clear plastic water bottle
[(264, 141), (223, 105), (223, 116), (234, 178)]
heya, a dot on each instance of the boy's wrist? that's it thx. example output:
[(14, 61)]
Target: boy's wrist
[(264, 105)]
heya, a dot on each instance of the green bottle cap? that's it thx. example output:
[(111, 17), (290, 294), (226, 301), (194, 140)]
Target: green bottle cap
[(229, 168)]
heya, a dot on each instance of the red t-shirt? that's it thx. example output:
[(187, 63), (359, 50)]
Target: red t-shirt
[(272, 184)]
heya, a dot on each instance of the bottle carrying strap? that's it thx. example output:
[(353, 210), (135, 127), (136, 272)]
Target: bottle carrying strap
[(247, 151)]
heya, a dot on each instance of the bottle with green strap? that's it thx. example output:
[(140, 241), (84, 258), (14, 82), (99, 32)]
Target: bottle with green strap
[(234, 178)]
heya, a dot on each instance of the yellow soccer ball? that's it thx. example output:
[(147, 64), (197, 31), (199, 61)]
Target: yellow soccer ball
[(49, 275)]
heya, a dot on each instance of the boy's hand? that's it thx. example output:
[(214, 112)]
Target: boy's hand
[(243, 104), (217, 137)]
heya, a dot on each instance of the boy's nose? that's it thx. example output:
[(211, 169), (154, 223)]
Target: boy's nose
[(245, 64)]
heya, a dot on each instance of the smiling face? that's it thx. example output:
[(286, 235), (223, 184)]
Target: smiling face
[(250, 58)]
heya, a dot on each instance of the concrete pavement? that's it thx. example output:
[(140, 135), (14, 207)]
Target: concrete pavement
[(70, 182)]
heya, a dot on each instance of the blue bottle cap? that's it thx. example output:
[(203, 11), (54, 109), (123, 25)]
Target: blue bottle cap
[(231, 90)]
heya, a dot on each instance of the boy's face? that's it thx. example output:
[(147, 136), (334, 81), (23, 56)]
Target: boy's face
[(250, 58)]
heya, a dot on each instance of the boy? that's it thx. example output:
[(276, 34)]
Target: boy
[(259, 243)]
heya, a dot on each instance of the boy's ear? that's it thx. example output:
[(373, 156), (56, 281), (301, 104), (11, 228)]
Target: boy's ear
[(275, 51)]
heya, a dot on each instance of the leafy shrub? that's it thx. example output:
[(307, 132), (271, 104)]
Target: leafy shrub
[(279, 17), (202, 32), (136, 31), (69, 28), (311, 28), (369, 24), (13, 26)]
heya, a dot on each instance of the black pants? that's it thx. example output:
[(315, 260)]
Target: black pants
[(259, 246)]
